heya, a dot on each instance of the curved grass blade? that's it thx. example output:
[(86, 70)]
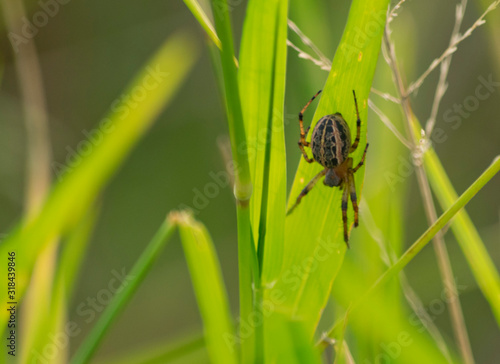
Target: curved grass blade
[(378, 325), (261, 79), (79, 186), (125, 293), (426, 237), (204, 20), (55, 320), (209, 289), (247, 262), (466, 234), (314, 246), (462, 227)]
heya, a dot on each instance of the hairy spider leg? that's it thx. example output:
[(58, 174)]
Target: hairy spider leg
[(306, 189), (362, 161), (358, 125), (302, 142)]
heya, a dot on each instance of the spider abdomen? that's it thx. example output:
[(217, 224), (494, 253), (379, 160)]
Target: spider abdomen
[(331, 141)]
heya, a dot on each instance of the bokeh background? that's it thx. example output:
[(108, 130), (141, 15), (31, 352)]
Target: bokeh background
[(90, 50)]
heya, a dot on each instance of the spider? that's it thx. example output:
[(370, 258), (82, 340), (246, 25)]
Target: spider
[(331, 145)]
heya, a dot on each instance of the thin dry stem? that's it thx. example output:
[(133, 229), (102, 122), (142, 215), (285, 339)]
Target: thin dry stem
[(385, 95), (389, 125), (442, 85), (389, 258), (393, 12), (29, 75), (417, 148), (305, 55), (456, 314), (450, 50), (38, 177), (418, 307), (308, 42), (349, 359)]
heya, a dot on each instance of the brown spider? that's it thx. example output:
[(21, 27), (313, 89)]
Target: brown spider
[(331, 145)]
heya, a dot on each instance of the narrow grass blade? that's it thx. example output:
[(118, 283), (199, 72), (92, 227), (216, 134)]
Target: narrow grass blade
[(125, 293), (466, 234), (115, 137), (209, 289), (243, 186), (411, 252), (379, 237), (314, 246), (204, 20), (54, 321), (377, 328), (37, 303), (261, 79), (247, 263), (462, 227)]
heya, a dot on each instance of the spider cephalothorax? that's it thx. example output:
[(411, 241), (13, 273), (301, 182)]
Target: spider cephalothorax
[(331, 145)]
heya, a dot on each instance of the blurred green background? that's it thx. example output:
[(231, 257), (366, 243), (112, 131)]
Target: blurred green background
[(90, 50)]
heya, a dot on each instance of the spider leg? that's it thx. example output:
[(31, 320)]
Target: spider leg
[(302, 142), (358, 125), (354, 198), (344, 214), (362, 161), (306, 157), (306, 189)]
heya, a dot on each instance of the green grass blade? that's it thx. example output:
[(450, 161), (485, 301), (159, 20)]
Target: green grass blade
[(37, 303), (73, 252), (209, 289), (243, 186), (70, 260), (125, 293), (204, 20), (262, 86), (379, 236), (464, 230), (119, 132), (412, 251), (314, 246), (261, 79), (377, 327), (466, 234), (247, 264)]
